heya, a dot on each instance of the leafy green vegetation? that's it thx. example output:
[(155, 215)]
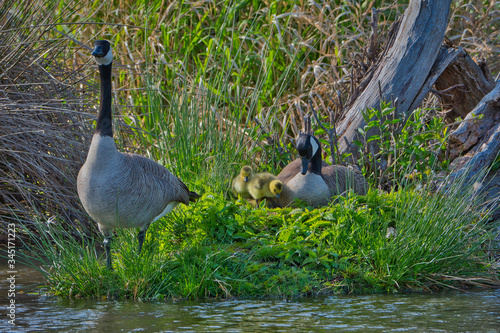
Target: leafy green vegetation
[(411, 149), (382, 242), (214, 85)]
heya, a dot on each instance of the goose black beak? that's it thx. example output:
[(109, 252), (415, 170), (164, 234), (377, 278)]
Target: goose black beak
[(246, 178), (98, 52), (305, 165)]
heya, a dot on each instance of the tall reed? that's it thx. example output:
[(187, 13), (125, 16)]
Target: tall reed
[(437, 234)]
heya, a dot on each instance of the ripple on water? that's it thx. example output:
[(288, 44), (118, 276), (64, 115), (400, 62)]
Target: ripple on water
[(449, 311)]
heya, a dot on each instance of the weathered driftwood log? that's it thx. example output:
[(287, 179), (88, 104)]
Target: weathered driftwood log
[(404, 66), (479, 137), (459, 82), (462, 85), (479, 134), (445, 57)]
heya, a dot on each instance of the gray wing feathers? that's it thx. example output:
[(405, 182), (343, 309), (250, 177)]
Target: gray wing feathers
[(133, 191), (341, 179), (121, 190), (154, 180), (293, 168)]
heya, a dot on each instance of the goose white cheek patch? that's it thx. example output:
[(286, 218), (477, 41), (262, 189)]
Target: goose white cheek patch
[(106, 60), (315, 146)]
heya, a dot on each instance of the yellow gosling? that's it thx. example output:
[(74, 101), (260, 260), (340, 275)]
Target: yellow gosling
[(240, 182), (264, 185)]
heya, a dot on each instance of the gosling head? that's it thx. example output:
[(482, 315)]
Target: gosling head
[(102, 52), (276, 187), (307, 147), (246, 172)]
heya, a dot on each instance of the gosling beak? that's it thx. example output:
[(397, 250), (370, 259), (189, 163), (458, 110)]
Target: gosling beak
[(246, 178), (277, 195), (305, 165)]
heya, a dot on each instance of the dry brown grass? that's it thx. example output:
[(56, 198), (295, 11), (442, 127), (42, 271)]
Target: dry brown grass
[(47, 111), (45, 127), (473, 26), (336, 32)]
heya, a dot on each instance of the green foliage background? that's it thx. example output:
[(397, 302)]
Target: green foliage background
[(211, 85)]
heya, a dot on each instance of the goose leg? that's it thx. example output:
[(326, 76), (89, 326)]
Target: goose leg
[(141, 236), (107, 247)]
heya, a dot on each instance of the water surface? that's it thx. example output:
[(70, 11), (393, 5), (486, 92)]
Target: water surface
[(473, 311)]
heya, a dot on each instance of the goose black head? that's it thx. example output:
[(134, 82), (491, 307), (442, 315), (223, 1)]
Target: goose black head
[(102, 52), (307, 147)]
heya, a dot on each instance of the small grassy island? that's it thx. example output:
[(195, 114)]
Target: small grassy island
[(382, 242), (205, 88)]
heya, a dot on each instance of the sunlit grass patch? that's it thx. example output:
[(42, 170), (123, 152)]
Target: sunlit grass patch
[(219, 248)]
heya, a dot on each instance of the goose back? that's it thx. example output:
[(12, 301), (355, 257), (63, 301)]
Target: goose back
[(294, 168), (121, 190), (341, 179)]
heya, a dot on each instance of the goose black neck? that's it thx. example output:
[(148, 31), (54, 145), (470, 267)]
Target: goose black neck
[(316, 161), (104, 124)]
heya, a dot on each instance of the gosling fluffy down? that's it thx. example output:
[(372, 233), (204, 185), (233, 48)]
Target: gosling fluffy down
[(240, 182), (264, 185)]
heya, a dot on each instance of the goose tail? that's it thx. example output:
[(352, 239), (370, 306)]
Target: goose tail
[(193, 196)]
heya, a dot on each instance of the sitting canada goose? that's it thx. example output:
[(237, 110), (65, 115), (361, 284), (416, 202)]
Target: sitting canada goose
[(240, 182), (264, 185), (121, 190), (313, 180)]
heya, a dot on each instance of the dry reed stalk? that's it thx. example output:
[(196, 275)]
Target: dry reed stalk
[(45, 124)]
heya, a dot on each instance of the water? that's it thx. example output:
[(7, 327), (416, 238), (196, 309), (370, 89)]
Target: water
[(475, 311)]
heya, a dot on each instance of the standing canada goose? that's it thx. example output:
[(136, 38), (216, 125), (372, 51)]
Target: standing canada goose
[(264, 185), (313, 180), (240, 182), (121, 190)]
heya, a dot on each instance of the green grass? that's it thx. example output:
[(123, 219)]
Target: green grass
[(228, 62), (219, 248), (190, 79)]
